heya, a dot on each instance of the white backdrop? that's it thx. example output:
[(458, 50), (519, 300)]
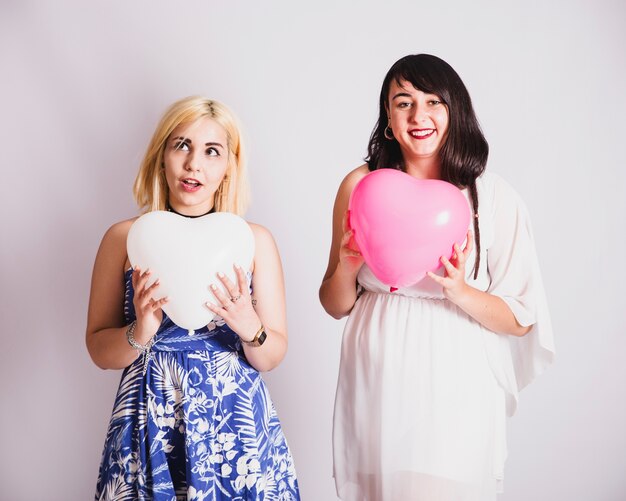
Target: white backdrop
[(82, 86)]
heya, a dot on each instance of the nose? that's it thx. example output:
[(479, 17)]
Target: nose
[(418, 113), (193, 161)]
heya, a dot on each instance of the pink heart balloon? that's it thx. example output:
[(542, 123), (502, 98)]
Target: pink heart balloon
[(404, 225)]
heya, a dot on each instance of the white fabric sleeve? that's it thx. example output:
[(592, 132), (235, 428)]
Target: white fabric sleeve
[(515, 277)]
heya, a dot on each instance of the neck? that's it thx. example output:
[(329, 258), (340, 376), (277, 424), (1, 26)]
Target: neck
[(423, 168), (171, 209)]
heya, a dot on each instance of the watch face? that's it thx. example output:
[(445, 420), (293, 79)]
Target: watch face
[(262, 337)]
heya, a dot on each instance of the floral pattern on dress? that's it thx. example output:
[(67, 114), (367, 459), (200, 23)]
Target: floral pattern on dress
[(199, 424)]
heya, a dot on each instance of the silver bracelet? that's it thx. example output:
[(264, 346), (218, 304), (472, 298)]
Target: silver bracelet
[(144, 349)]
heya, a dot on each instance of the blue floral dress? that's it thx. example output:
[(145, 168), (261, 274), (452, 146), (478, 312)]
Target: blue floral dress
[(194, 422)]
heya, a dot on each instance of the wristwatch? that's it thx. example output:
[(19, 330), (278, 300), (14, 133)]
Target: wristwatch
[(259, 337)]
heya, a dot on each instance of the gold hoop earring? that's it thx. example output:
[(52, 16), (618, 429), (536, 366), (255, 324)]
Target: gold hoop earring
[(388, 133)]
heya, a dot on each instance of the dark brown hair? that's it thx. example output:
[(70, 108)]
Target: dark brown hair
[(463, 155)]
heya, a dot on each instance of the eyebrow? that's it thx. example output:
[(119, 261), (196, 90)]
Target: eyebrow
[(187, 140), (401, 94)]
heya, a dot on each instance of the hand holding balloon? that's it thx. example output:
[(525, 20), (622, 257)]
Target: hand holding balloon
[(350, 257), (402, 225), (236, 309), (147, 309), (184, 253), (453, 282)]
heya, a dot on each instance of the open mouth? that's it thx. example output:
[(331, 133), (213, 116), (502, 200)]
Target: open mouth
[(190, 184), (421, 133)]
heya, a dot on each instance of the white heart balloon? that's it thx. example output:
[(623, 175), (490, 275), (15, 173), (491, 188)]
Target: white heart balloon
[(186, 254)]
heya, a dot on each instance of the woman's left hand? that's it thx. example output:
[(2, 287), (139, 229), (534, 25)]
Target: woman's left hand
[(453, 282), (236, 310)]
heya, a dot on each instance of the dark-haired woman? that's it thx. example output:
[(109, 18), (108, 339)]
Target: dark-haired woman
[(429, 372)]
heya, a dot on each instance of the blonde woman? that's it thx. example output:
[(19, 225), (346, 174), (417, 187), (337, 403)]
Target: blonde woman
[(194, 420)]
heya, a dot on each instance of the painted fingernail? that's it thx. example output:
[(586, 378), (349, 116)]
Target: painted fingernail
[(214, 287), (237, 266), (220, 274)]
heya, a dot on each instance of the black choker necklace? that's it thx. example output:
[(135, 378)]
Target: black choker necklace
[(169, 209)]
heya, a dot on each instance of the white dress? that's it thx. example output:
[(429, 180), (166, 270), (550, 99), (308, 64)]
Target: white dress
[(424, 389)]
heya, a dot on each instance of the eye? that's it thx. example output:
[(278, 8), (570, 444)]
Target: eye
[(181, 145), (212, 152), (404, 104), (434, 102)]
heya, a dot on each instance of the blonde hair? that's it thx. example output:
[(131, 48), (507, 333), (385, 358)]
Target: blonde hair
[(150, 188)]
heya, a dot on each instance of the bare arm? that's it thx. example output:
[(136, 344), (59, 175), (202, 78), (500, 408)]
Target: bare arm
[(106, 328), (338, 289), (487, 309), (491, 311), (270, 311)]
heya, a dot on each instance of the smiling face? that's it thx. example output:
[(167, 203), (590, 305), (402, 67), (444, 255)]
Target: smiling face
[(419, 122), (195, 162)]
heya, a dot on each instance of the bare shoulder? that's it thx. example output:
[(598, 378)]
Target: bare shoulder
[(262, 236), (346, 187), (352, 178), (113, 245), (119, 231), (265, 250)]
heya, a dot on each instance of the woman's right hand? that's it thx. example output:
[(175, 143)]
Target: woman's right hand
[(350, 258), (147, 309), (338, 292)]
